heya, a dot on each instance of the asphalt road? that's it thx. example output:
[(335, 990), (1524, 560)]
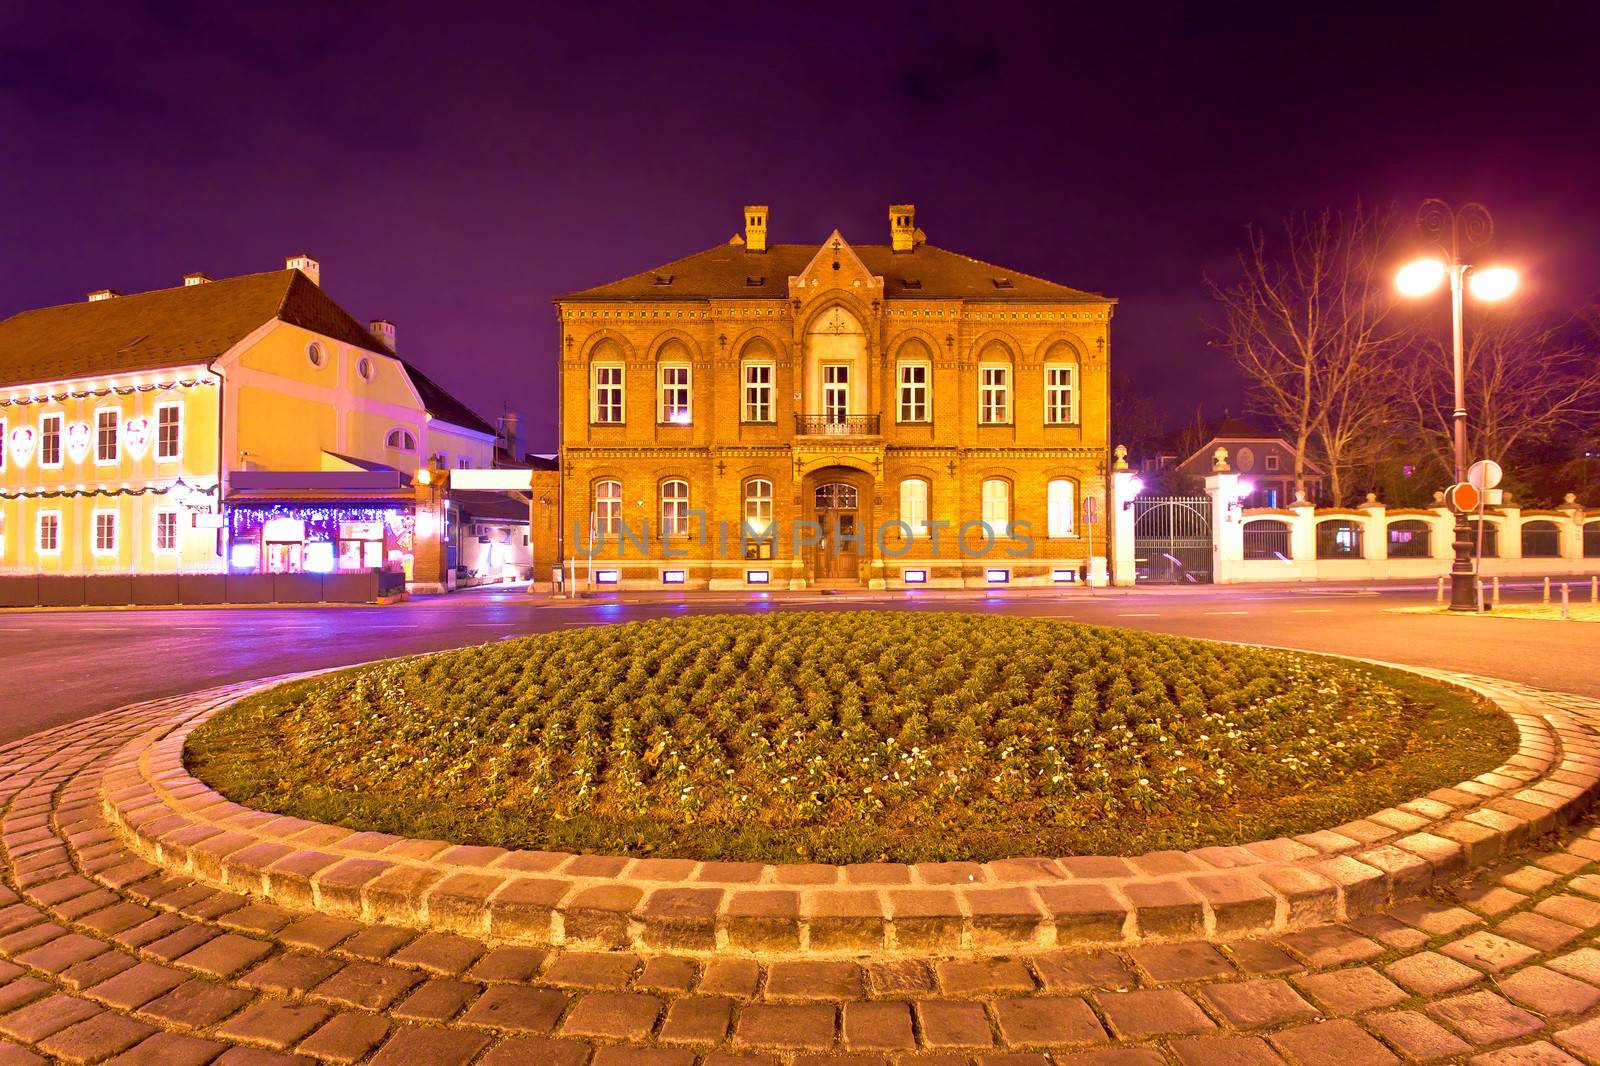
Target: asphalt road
[(56, 667)]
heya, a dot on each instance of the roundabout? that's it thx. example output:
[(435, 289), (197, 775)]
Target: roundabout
[(150, 917)]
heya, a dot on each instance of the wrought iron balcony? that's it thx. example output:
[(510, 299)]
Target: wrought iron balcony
[(836, 425)]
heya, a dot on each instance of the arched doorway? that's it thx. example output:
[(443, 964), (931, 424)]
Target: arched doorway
[(839, 500)]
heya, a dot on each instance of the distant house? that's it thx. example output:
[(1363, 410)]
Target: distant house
[(1263, 459)]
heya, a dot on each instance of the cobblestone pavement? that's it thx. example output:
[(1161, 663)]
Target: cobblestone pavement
[(105, 957)]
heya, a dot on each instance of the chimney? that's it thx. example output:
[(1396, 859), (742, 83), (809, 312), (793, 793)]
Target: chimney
[(903, 227), (307, 266), (755, 228), (197, 278), (103, 294), (383, 329), (508, 435)]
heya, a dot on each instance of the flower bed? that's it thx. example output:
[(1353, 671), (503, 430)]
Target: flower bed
[(844, 737)]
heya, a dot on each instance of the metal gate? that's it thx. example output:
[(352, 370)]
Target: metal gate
[(1172, 540)]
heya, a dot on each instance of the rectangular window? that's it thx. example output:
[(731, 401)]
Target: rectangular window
[(50, 440), (49, 532), (105, 435), (1060, 395), (166, 531), (169, 425), (994, 395), (836, 393), (1062, 507), (914, 505), (1272, 461), (913, 392), (105, 532), (675, 396), (758, 392), (608, 394)]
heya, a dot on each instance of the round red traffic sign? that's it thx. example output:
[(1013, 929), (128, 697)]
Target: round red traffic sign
[(1464, 496)]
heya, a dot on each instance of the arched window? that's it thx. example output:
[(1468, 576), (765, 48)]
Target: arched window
[(1265, 538), (674, 508), (1591, 540), (1060, 385), (913, 377), (997, 506), (608, 507), (1541, 540), (757, 505), (402, 439), (914, 505), (1061, 498), (1339, 538), (1409, 540), (607, 383), (994, 385)]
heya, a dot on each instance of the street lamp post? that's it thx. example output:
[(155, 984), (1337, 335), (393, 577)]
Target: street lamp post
[(1457, 232)]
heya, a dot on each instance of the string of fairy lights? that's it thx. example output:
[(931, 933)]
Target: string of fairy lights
[(108, 390), (185, 489)]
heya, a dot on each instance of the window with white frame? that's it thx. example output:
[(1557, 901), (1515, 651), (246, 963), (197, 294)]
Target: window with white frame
[(1060, 394), (675, 395), (997, 506), (1272, 461), (758, 392), (913, 392), (757, 505), (994, 394), (1061, 502), (50, 440), (608, 393), (674, 508), (49, 539), (608, 507), (105, 532), (914, 505), (169, 430), (105, 435), (401, 439), (166, 531)]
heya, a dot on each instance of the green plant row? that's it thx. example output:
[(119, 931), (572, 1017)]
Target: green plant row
[(840, 736)]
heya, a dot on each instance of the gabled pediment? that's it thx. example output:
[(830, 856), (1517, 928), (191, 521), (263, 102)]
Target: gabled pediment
[(835, 266)]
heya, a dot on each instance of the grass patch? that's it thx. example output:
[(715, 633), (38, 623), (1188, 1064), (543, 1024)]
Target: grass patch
[(848, 737)]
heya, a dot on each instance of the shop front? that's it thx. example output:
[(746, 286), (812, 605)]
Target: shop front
[(320, 522)]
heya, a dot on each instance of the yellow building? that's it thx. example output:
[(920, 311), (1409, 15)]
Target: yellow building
[(248, 421), (889, 414)]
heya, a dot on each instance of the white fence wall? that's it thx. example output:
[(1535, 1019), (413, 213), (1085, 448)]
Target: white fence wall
[(1309, 557)]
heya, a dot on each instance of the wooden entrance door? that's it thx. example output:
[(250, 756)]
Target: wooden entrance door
[(839, 552)]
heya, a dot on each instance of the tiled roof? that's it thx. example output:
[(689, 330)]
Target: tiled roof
[(443, 406), (166, 327), (728, 271)]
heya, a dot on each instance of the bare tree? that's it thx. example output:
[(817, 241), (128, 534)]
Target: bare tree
[(1308, 322), (1529, 385)]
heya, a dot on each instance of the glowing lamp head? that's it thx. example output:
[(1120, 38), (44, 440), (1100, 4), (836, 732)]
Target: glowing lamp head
[(1420, 278), (1135, 486), (424, 476), (1243, 489), (1492, 283)]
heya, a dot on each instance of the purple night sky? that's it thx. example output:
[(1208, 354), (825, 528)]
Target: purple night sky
[(456, 166)]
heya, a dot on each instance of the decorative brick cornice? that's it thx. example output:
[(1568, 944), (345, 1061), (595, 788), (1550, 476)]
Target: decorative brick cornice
[(1013, 905)]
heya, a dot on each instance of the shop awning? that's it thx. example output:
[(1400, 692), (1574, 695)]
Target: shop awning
[(360, 488)]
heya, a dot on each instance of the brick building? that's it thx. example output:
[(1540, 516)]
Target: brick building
[(939, 419)]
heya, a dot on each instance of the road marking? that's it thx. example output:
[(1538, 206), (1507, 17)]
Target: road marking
[(1224, 612), (1138, 616), (1311, 610)]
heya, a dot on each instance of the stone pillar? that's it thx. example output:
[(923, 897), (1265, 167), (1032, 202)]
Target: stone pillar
[(1375, 535), (1227, 525), (1303, 536), (430, 560), (1119, 522), (1510, 529), (1572, 528)]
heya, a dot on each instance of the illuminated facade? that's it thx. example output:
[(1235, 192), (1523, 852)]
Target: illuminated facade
[(890, 415), (130, 426)]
